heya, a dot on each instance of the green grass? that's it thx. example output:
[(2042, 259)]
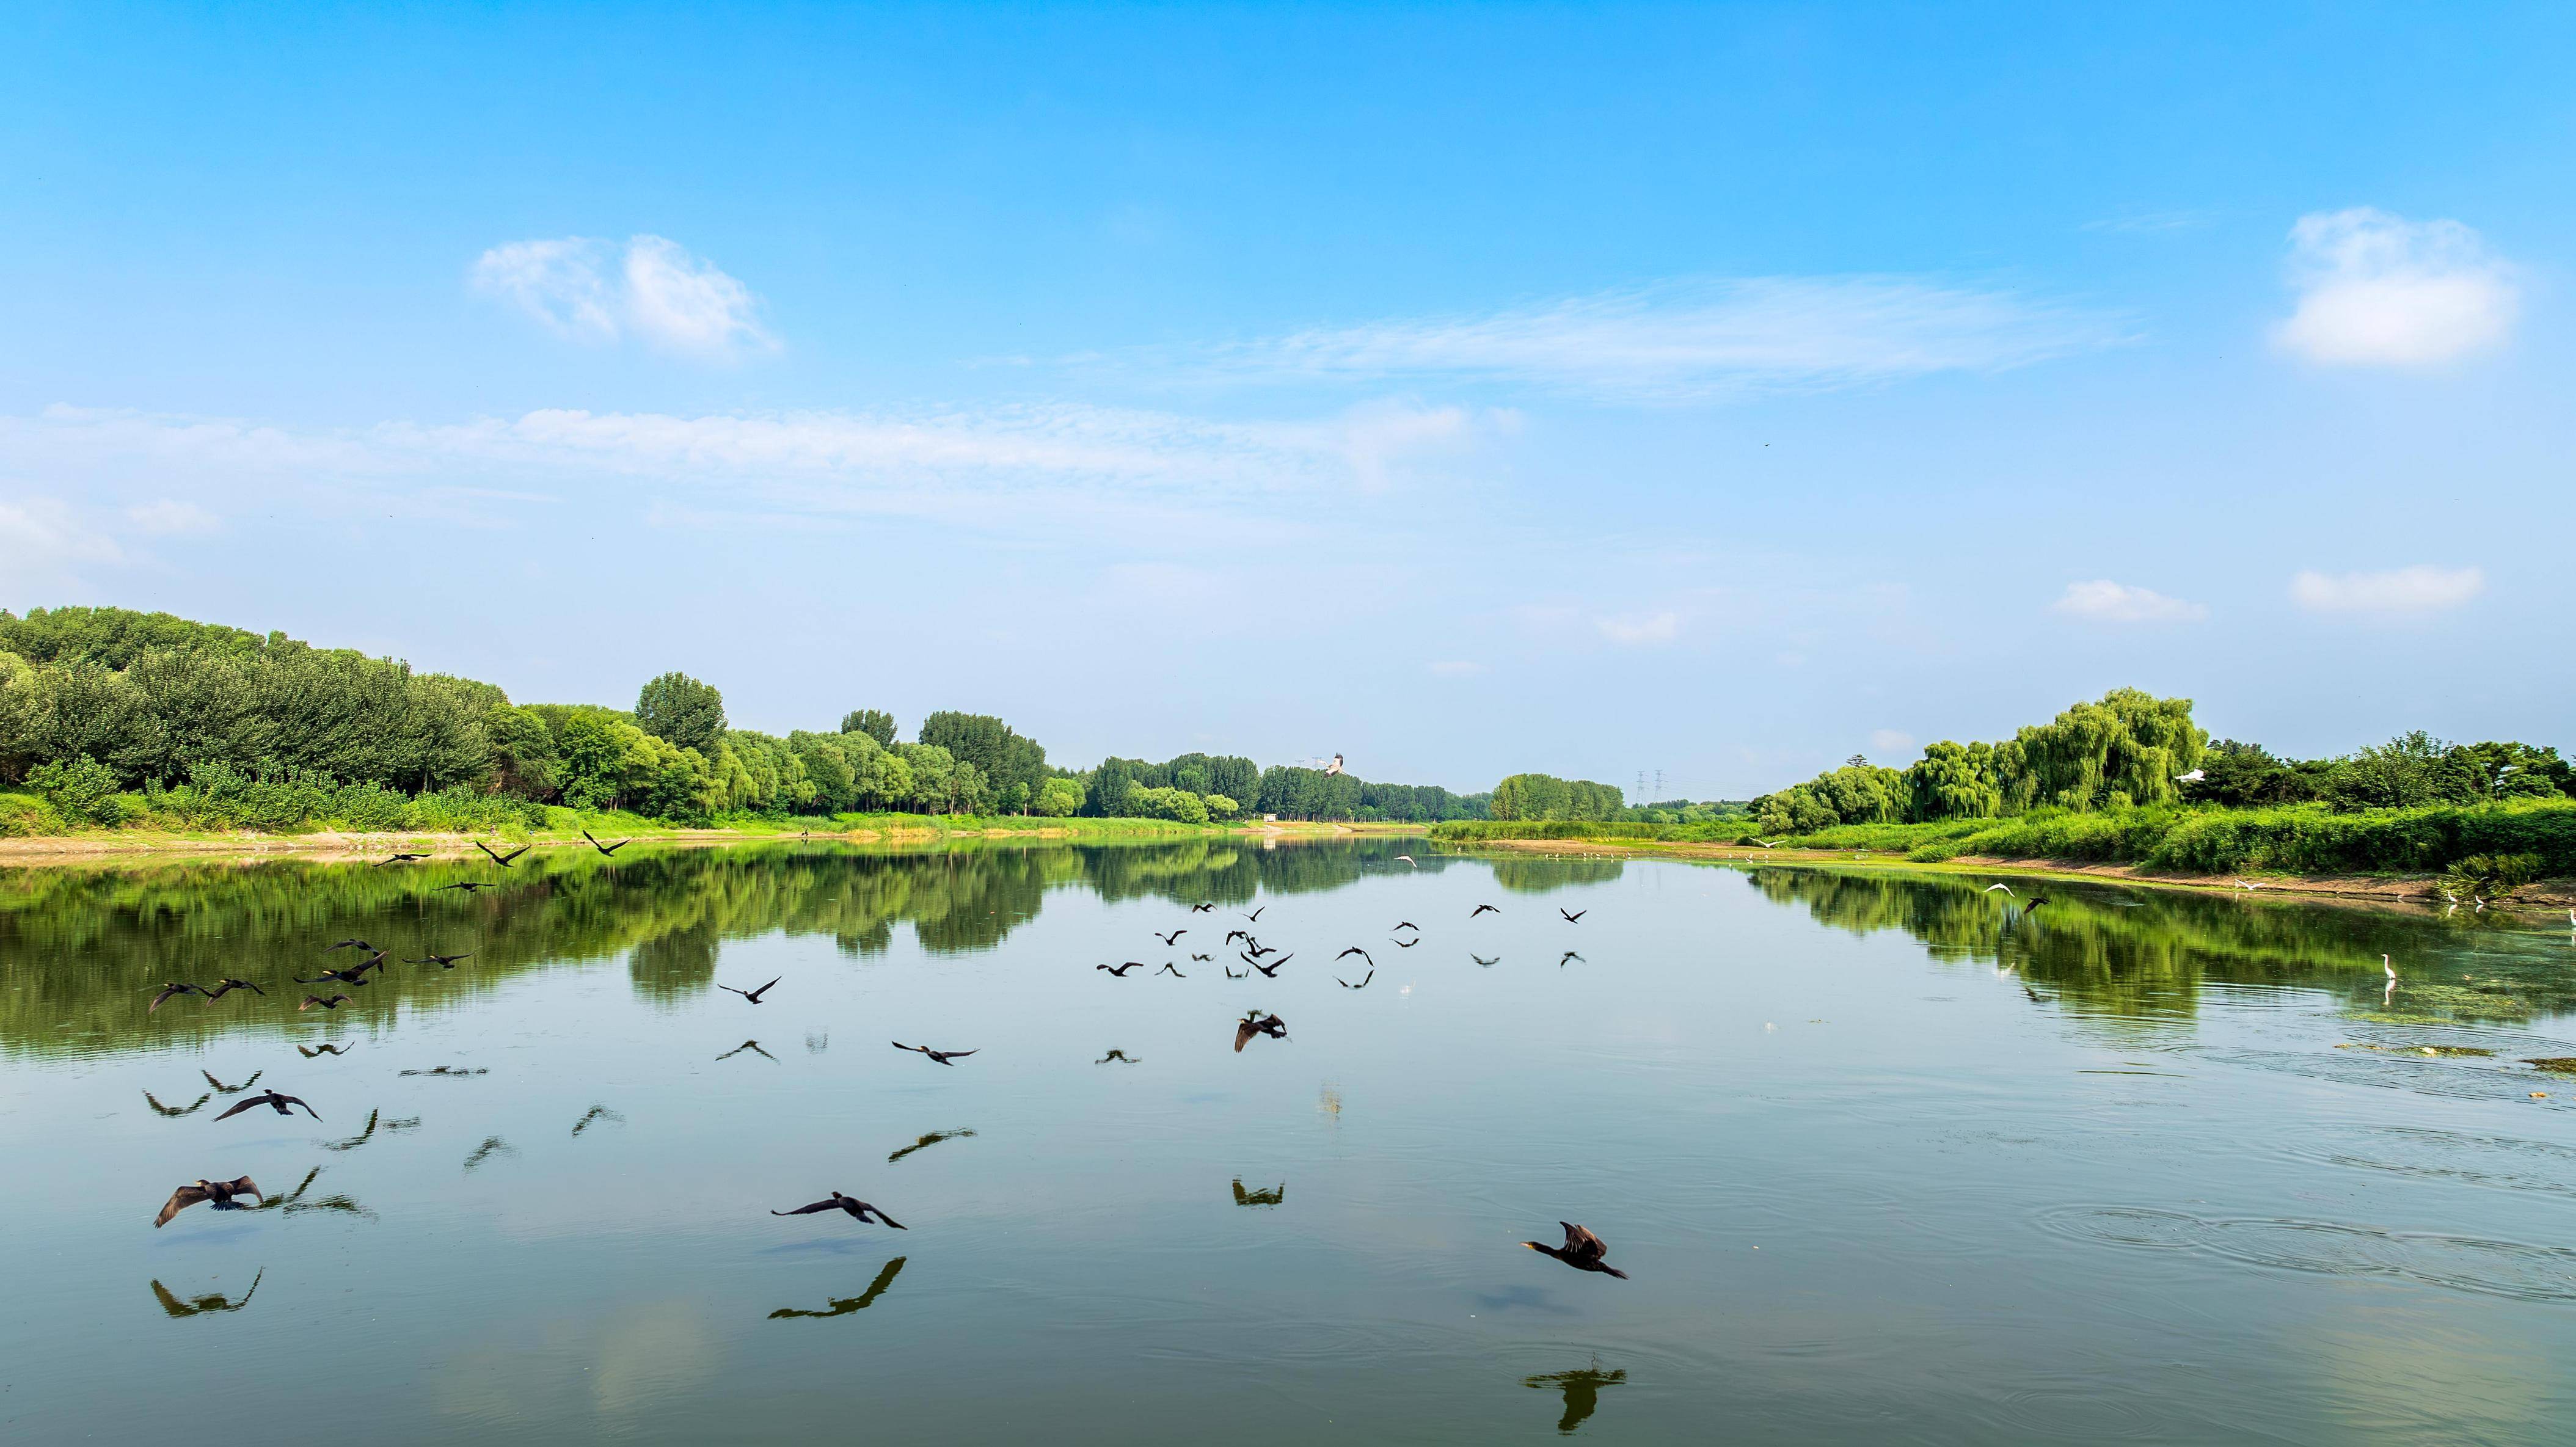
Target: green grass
[(25, 815), (2297, 839)]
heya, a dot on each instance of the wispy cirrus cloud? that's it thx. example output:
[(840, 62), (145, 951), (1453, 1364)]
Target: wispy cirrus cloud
[(2104, 601), (651, 288), (2397, 593), (1639, 629), (170, 515), (2377, 290), (936, 462), (1683, 341)]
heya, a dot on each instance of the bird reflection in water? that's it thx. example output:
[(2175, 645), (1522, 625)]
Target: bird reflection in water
[(932, 1139), (1121, 1056), (844, 1305), (196, 1306), (293, 1202), (1582, 1391), (223, 1089), (492, 1146), (364, 1136), (1272, 1197), (309, 1053), (177, 1110), (751, 1045), (597, 1113)]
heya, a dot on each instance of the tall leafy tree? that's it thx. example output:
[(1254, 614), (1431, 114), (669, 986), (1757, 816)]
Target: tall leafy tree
[(682, 711), (874, 723)]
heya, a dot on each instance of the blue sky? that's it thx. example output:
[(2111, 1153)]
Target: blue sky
[(1721, 390)]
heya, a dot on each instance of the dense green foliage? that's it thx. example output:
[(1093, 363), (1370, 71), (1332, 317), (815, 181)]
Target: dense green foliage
[(2131, 754), (1545, 796), (1281, 790), (114, 716), (2130, 748), (681, 711)]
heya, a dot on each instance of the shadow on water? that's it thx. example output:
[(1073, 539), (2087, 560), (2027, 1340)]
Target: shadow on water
[(1582, 1391), (2146, 954), (86, 947)]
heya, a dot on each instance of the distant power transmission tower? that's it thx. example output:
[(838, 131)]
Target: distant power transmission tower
[(1659, 783)]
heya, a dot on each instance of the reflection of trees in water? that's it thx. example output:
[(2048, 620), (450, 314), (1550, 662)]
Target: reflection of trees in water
[(681, 963), (2140, 953), (84, 947), (1537, 876)]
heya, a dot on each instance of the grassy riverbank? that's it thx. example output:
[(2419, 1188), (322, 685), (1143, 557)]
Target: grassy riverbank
[(2298, 839)]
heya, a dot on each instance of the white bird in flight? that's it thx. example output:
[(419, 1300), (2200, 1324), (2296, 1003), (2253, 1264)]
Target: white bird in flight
[(1991, 888), (1407, 858), (2194, 777)]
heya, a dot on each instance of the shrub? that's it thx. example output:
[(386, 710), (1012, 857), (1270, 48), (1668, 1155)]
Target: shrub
[(81, 790)]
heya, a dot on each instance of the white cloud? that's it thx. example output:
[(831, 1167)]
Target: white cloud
[(2377, 290), (169, 515), (1641, 628), (41, 538), (2103, 601), (2399, 592), (1679, 341), (656, 291), (992, 466), (1891, 745), (1456, 668)]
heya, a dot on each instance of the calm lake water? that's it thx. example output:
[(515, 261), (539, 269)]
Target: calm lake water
[(1886, 1161)]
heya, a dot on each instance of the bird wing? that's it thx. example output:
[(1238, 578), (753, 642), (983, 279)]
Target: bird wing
[(763, 990), (169, 990), (256, 1100), (286, 1100), (515, 853), (899, 1045), (810, 1210), (865, 1210), (180, 1200), (1581, 1242), (245, 1186), (1244, 1030), (948, 1055)]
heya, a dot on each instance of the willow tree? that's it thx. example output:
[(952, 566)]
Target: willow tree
[(2128, 748)]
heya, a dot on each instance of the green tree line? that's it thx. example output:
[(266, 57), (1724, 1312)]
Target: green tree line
[(2132, 749), (107, 711)]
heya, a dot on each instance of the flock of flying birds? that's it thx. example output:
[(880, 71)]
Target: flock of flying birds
[(222, 1193), (1582, 1250)]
